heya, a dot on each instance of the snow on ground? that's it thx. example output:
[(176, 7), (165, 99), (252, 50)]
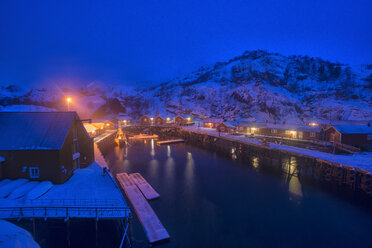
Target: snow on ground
[(361, 161), (12, 236), (86, 186)]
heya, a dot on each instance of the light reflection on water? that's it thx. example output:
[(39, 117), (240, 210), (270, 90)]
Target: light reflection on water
[(203, 193), (255, 162), (152, 148), (289, 167)]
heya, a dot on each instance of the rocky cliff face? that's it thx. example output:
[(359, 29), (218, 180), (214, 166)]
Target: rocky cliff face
[(256, 85)]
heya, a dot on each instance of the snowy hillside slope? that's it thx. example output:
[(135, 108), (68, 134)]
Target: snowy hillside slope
[(257, 85)]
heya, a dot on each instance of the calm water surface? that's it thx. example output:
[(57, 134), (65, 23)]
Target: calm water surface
[(207, 200)]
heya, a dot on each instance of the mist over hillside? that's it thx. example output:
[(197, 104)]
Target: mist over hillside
[(257, 85)]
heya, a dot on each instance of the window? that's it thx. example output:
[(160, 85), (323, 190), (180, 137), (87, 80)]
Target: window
[(287, 132), (369, 137), (34, 172), (274, 131), (312, 134)]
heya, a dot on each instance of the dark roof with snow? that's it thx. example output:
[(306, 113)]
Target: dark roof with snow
[(231, 124), (354, 129), (252, 124), (213, 120), (34, 130)]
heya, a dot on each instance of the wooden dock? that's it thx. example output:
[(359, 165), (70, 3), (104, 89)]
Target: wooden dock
[(164, 142), (144, 186), (154, 230)]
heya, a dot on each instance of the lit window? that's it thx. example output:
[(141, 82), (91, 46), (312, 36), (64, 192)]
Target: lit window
[(274, 131), (34, 172)]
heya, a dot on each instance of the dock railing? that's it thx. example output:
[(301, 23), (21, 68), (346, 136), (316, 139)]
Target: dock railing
[(64, 212)]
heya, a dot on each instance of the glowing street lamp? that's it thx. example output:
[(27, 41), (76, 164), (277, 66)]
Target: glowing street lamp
[(68, 103)]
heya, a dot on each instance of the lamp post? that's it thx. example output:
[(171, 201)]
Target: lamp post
[(68, 103)]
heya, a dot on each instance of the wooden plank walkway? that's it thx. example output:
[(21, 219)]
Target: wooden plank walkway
[(169, 141), (144, 186), (154, 230)]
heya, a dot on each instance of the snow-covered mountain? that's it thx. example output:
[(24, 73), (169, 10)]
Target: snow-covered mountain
[(257, 85)]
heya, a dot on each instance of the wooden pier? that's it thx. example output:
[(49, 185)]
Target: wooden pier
[(164, 142), (154, 230), (144, 186)]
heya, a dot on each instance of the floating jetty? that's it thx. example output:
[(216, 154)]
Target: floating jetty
[(154, 230), (143, 136), (144, 186), (164, 142)]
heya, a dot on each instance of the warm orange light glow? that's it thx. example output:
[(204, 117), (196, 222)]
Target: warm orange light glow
[(107, 124), (313, 124), (293, 133), (68, 99)]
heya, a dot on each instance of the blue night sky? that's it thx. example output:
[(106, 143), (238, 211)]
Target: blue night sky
[(131, 42)]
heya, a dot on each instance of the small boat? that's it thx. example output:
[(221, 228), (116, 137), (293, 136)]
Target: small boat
[(143, 136), (120, 137)]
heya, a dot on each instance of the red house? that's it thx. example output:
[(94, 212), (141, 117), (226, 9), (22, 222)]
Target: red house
[(212, 122), (159, 121), (226, 127), (145, 120), (43, 145), (358, 136), (182, 120)]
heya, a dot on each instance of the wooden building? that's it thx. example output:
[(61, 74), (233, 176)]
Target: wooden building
[(125, 120), (301, 132), (212, 122), (145, 120), (183, 120), (159, 121), (43, 145), (93, 130), (109, 125), (358, 136), (226, 127), (250, 127)]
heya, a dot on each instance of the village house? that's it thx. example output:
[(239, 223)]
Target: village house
[(93, 130), (145, 120), (250, 127), (212, 122), (109, 125), (226, 127), (158, 121), (43, 145), (125, 120), (182, 120), (358, 136), (301, 132)]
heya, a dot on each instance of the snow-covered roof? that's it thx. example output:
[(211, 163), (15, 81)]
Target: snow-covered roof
[(354, 129), (185, 116), (124, 117), (34, 130), (230, 124), (90, 128), (301, 128), (252, 124), (213, 120)]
